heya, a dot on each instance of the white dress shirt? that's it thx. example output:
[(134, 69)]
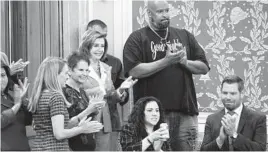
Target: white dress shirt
[(237, 115)]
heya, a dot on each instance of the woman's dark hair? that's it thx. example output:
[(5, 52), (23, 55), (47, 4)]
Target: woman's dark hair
[(137, 114), (88, 39), (10, 82), (75, 57)]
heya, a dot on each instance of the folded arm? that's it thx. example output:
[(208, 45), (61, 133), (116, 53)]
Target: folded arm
[(197, 67), (143, 70)]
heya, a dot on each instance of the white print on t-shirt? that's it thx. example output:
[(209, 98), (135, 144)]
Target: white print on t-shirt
[(160, 47)]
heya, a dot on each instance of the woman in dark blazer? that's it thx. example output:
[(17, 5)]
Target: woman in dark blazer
[(13, 113), (80, 105)]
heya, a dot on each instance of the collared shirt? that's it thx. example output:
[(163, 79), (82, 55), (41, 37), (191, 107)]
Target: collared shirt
[(237, 114)]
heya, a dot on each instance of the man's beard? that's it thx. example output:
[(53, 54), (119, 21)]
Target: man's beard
[(160, 25), (164, 25)]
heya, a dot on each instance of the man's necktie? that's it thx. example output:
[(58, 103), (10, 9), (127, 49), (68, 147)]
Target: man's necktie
[(231, 113), (231, 147)]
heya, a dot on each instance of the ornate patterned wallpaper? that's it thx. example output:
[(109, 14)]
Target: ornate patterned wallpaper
[(234, 35)]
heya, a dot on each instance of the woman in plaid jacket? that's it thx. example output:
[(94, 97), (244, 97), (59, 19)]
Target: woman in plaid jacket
[(146, 130)]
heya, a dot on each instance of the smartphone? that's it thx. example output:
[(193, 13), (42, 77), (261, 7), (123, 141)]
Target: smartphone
[(16, 77)]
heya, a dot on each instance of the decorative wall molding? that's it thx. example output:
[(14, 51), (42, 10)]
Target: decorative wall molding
[(5, 30), (234, 36), (122, 29), (122, 25), (76, 15)]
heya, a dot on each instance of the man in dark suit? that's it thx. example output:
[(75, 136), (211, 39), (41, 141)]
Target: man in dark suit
[(235, 127)]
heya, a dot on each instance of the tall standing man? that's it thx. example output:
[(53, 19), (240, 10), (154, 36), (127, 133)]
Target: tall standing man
[(164, 58)]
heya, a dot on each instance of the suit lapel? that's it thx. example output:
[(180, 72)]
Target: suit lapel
[(218, 121), (225, 145), (242, 120), (222, 113)]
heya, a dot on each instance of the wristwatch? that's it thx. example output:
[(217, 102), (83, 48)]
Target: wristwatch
[(235, 135)]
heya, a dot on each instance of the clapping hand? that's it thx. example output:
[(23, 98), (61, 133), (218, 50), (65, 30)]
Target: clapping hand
[(88, 126), (20, 90), (177, 54), (17, 66), (128, 83), (228, 123), (222, 134), (159, 136), (96, 102), (96, 91), (183, 56)]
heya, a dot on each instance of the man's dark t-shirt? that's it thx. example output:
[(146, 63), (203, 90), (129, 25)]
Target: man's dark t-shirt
[(173, 85)]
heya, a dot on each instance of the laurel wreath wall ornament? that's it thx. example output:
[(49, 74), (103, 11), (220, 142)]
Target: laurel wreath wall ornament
[(219, 42), (141, 17), (191, 17), (255, 43), (236, 33)]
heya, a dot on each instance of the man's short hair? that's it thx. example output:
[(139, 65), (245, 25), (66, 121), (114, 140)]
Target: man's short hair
[(96, 22), (234, 79)]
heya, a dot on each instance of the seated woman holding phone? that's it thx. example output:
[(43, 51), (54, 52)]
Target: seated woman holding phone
[(146, 130)]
